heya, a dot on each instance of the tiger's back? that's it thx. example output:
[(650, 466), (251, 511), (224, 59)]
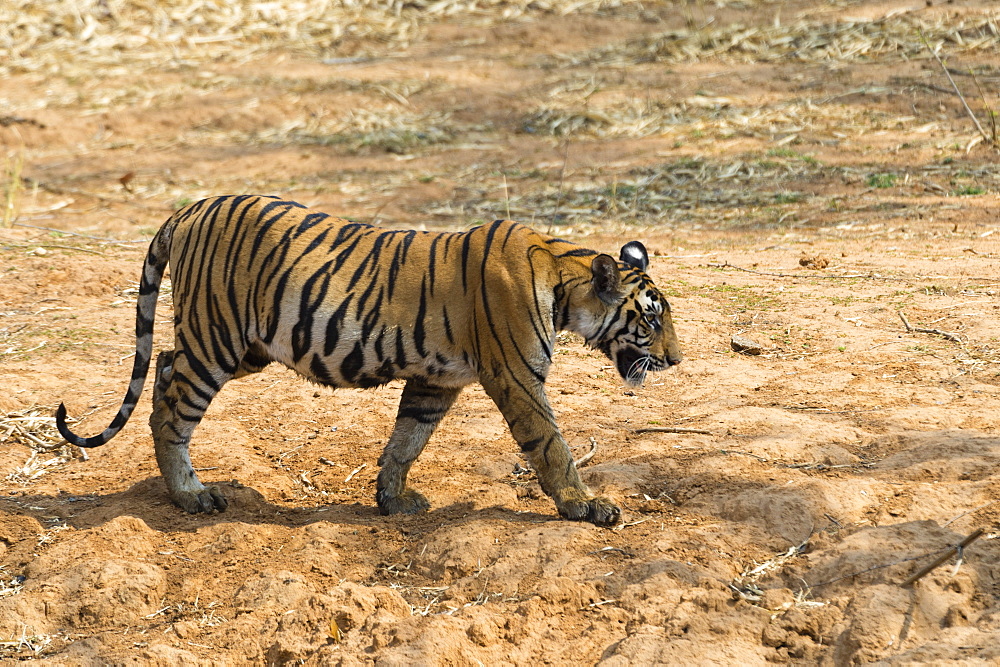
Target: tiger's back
[(257, 279), (344, 304)]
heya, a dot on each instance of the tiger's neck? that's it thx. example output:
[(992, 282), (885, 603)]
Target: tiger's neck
[(576, 307)]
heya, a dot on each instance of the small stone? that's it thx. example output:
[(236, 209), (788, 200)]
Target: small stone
[(744, 345), (185, 629), (817, 262), (777, 599)]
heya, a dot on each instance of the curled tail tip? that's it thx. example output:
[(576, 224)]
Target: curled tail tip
[(61, 425), (68, 435), (61, 420)]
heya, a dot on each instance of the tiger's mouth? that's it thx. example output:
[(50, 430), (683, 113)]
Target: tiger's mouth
[(633, 364)]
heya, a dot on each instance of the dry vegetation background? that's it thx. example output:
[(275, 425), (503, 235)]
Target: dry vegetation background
[(808, 178)]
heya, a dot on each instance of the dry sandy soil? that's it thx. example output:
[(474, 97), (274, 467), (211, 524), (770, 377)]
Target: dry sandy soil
[(804, 172)]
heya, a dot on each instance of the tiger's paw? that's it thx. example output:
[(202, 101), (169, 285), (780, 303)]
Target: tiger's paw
[(598, 511), (407, 502), (208, 500)]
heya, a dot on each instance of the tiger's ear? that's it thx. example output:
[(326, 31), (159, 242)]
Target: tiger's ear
[(634, 255), (607, 281)]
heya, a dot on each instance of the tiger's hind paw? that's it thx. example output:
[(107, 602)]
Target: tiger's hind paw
[(208, 500), (407, 502), (598, 511)]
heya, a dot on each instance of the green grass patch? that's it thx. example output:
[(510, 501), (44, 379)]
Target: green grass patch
[(881, 180)]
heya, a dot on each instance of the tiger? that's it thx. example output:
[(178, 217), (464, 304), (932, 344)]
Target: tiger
[(258, 279)]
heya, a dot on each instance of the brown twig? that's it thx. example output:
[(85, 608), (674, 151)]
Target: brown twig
[(582, 461), (355, 472), (557, 204), (968, 512), (52, 246), (727, 265), (83, 236), (957, 549), (954, 85), (990, 113), (873, 568), (672, 429), (936, 332), (736, 451)]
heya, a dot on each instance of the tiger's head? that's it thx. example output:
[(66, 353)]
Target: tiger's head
[(634, 329)]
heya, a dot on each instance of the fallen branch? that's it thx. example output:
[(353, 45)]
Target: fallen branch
[(873, 568), (582, 461), (966, 513), (632, 523), (58, 190), (595, 605), (83, 236), (736, 451), (820, 466), (606, 551), (355, 472), (52, 246), (968, 110), (671, 429), (957, 549), (727, 265), (936, 332), (990, 113)]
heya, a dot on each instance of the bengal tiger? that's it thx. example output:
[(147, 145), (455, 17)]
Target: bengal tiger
[(344, 304)]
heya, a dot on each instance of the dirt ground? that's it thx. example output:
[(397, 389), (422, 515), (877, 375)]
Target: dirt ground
[(807, 178)]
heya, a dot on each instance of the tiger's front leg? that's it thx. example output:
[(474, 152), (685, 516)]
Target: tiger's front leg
[(421, 409), (558, 477), (533, 425)]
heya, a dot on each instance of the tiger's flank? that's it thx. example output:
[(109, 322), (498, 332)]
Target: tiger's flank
[(257, 279)]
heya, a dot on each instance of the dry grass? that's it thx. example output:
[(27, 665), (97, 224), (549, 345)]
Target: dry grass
[(68, 37), (718, 117), (40, 35), (897, 36), (10, 585), (389, 115), (388, 130), (12, 186), (758, 190), (655, 194), (34, 428), (26, 646)]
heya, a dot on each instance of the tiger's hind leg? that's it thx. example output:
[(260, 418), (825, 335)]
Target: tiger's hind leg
[(178, 406), (421, 409)]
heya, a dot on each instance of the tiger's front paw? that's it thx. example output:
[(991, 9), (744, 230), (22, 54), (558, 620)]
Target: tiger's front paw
[(598, 511), (407, 502), (208, 500)]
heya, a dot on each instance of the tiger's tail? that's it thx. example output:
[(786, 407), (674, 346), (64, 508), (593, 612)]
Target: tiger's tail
[(145, 310)]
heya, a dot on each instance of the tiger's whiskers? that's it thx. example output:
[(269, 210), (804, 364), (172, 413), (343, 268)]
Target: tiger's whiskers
[(637, 371)]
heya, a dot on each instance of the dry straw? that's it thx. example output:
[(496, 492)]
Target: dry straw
[(34, 428), (13, 165), (384, 129), (723, 117), (702, 191), (652, 193), (45, 36), (897, 35)]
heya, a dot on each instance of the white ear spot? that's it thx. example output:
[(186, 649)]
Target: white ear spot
[(634, 254)]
